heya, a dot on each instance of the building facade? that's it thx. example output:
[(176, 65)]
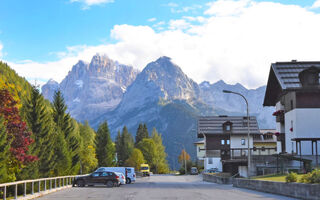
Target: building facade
[(226, 141), (294, 89)]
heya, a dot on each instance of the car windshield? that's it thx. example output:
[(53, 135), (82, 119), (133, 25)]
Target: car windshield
[(144, 168), (100, 170)]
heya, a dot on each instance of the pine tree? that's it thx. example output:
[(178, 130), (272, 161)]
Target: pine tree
[(139, 134), (61, 155), (63, 131), (4, 152), (124, 145), (145, 131), (118, 148), (39, 122), (127, 144), (104, 147), (160, 157)]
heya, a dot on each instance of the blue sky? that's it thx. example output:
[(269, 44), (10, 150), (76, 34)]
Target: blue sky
[(38, 36), (34, 30)]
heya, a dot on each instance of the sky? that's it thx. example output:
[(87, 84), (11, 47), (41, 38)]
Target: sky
[(210, 40)]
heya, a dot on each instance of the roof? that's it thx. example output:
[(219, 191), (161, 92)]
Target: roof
[(214, 125), (285, 76)]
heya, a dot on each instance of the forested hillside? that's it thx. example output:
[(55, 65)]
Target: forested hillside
[(41, 139)]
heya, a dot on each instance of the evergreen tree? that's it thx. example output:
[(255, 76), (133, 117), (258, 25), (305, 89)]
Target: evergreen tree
[(145, 131), (125, 145), (63, 131), (136, 159), (88, 152), (104, 147), (39, 122), (4, 152), (61, 155), (139, 134), (160, 157), (118, 148)]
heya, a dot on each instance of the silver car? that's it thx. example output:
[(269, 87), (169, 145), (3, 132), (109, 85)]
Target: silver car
[(122, 178)]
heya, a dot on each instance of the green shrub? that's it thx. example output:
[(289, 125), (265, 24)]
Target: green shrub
[(292, 177), (305, 178), (313, 177)]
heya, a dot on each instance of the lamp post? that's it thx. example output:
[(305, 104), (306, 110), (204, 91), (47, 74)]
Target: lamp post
[(248, 120)]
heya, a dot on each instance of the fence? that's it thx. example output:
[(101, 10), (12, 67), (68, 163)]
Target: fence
[(54, 183)]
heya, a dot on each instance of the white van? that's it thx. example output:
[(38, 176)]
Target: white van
[(127, 171)]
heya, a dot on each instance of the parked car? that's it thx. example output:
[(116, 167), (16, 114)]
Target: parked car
[(127, 171), (212, 170), (122, 178), (194, 171), (110, 179)]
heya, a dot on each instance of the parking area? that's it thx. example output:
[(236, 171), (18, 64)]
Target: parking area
[(163, 187)]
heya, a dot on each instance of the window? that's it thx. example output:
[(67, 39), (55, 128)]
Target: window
[(228, 142), (210, 161), (222, 142), (95, 174), (243, 142), (128, 170), (105, 174), (199, 149), (228, 127), (291, 104)]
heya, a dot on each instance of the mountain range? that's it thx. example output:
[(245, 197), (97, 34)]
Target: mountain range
[(161, 96)]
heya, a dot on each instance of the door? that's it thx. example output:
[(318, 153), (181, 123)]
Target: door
[(94, 178)]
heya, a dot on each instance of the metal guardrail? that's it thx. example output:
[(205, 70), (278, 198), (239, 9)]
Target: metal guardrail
[(54, 183)]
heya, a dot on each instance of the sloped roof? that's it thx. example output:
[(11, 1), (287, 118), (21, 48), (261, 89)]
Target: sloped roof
[(214, 125), (284, 76)]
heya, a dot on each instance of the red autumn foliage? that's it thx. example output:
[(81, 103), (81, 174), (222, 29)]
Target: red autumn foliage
[(18, 134)]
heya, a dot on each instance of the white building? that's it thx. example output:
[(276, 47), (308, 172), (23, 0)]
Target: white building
[(294, 89), (226, 141)]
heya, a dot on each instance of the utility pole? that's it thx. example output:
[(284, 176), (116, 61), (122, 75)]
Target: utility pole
[(248, 124)]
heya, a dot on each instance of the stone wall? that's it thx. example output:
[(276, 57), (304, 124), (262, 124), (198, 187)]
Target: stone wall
[(217, 179), (297, 190)]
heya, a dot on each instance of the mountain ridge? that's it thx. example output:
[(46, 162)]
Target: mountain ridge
[(161, 96)]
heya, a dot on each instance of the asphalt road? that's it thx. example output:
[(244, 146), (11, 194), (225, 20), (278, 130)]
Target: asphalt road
[(163, 187)]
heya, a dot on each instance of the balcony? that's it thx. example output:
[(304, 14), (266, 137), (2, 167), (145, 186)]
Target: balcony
[(279, 116)]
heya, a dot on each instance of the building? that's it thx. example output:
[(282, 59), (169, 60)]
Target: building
[(200, 152), (266, 142), (226, 142), (294, 89)]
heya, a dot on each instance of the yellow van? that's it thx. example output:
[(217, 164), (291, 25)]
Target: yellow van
[(145, 170)]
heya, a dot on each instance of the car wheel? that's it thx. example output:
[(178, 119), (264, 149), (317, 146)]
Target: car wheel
[(128, 181), (81, 183), (109, 184)]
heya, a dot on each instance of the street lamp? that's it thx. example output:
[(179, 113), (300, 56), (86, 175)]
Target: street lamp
[(228, 91)]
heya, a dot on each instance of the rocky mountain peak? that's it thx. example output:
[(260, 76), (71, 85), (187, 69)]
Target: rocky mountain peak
[(52, 82)]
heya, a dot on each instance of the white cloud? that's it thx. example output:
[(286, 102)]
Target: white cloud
[(171, 4), (185, 9), (179, 24), (88, 3), (316, 4), (236, 43), (152, 19)]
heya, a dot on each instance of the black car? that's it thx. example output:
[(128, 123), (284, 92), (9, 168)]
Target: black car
[(110, 179)]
